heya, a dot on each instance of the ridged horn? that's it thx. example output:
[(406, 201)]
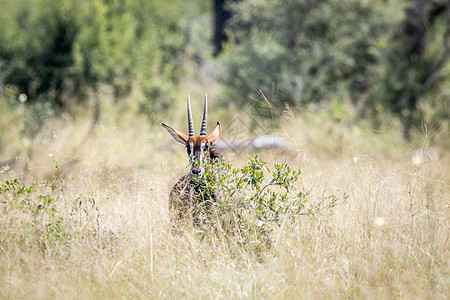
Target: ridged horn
[(190, 123), (205, 116)]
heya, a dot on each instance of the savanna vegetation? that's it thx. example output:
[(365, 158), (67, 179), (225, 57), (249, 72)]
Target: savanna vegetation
[(354, 205)]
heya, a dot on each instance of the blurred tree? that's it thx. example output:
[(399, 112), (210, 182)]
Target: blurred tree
[(414, 58), (36, 48), (383, 56), (310, 51), (55, 51), (221, 16)]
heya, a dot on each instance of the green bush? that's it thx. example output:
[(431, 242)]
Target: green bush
[(38, 217), (251, 201)]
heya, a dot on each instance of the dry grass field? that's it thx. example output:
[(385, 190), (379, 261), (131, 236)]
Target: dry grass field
[(104, 232)]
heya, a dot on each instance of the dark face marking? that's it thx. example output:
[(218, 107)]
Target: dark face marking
[(196, 146)]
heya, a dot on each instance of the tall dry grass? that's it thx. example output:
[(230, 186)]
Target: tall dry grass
[(388, 240)]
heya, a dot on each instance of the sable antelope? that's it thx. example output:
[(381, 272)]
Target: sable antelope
[(185, 195)]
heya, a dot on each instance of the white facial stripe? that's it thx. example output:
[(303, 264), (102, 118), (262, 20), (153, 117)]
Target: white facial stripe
[(191, 146)]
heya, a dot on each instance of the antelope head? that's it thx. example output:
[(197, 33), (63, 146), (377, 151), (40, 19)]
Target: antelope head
[(197, 146)]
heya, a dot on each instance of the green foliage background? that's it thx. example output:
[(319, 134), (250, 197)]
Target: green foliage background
[(364, 52), (375, 57), (59, 51)]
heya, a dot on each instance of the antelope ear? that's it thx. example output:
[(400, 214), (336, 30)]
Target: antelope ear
[(214, 136), (176, 135)]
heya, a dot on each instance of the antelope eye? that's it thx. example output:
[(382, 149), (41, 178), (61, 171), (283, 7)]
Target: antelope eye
[(206, 146), (188, 148)]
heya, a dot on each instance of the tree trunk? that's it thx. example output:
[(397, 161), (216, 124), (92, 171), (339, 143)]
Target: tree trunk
[(221, 16)]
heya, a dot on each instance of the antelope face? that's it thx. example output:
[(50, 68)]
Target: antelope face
[(198, 147)]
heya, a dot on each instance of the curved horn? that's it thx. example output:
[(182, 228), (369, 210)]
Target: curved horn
[(205, 116), (190, 123)]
